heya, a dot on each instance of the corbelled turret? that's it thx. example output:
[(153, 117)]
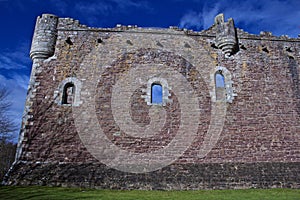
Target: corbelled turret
[(44, 38), (226, 35)]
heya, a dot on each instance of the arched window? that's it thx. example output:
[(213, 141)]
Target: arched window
[(68, 93), (220, 86), (156, 93)]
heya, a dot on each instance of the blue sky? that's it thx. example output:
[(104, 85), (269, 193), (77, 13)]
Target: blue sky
[(282, 17)]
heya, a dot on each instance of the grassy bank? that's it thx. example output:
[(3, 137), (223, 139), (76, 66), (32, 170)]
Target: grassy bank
[(40, 193)]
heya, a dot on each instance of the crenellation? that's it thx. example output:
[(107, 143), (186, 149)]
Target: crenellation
[(70, 24), (89, 112)]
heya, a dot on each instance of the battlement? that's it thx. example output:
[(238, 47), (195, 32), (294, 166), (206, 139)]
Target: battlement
[(225, 33)]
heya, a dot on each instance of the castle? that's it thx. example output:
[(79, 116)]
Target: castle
[(143, 108)]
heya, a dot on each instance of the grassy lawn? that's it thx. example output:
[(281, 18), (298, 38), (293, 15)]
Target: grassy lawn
[(41, 193)]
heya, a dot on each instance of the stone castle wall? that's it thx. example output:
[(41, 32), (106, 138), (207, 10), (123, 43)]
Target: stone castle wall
[(244, 135)]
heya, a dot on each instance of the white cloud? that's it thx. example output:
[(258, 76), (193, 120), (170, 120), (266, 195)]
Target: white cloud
[(96, 12), (200, 20), (17, 87), (278, 16), (209, 15), (131, 3), (8, 61), (14, 67), (15, 59), (191, 20), (108, 7), (13, 64)]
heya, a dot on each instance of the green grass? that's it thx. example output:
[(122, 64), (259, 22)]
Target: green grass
[(40, 193)]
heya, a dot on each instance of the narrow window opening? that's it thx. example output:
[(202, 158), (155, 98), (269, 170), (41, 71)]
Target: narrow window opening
[(156, 93), (213, 45), (68, 94), (69, 41), (265, 49), (186, 45), (159, 44), (129, 42), (220, 86), (288, 49), (99, 40), (243, 47)]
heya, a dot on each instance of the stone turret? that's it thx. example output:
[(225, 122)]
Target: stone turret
[(44, 38), (226, 35)]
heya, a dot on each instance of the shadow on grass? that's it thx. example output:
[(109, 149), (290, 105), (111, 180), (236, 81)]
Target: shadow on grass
[(41, 193)]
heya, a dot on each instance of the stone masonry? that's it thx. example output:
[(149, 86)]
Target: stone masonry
[(89, 119)]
